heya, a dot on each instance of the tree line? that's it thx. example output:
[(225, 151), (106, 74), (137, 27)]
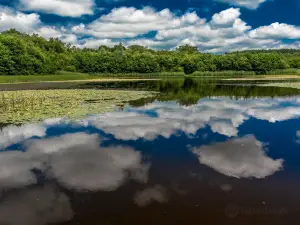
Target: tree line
[(31, 54)]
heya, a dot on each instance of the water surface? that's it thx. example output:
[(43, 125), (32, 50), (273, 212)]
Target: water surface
[(185, 157)]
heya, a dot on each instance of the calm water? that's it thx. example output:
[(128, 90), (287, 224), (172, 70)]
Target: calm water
[(183, 158)]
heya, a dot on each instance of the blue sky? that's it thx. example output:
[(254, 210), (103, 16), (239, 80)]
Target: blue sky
[(211, 25)]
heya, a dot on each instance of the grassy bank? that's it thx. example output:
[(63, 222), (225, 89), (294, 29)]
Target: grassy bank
[(74, 76), (65, 77), (38, 78)]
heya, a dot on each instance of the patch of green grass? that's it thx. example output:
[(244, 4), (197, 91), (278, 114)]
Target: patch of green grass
[(285, 72), (70, 76), (73, 76), (228, 73), (141, 75), (33, 105), (62, 76)]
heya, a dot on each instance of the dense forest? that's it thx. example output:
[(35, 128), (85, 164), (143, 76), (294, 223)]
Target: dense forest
[(31, 54)]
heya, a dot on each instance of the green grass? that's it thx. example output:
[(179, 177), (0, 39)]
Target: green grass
[(61, 76), (73, 76), (228, 73), (285, 72), (141, 75)]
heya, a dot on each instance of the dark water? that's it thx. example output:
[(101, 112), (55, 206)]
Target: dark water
[(184, 157)]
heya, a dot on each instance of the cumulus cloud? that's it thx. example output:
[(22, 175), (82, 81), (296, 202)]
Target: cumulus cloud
[(172, 30), (129, 22), (225, 32), (226, 18), (54, 32), (240, 158), (95, 43), (150, 195), (10, 18), (31, 23), (250, 4), (71, 8), (35, 206), (276, 31)]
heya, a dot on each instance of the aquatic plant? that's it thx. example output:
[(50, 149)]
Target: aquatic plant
[(36, 105)]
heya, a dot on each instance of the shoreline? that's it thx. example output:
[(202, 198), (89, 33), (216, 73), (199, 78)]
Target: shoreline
[(34, 79), (264, 77), (79, 81)]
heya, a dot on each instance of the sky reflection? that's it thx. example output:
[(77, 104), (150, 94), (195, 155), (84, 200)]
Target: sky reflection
[(159, 154)]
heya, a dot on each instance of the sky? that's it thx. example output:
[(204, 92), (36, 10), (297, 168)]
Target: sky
[(214, 26)]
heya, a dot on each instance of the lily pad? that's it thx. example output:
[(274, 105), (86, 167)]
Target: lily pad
[(37, 105)]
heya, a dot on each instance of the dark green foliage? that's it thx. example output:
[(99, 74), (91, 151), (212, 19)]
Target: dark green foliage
[(187, 49), (24, 54), (189, 66), (31, 54)]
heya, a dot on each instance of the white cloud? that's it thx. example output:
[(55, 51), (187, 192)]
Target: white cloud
[(22, 22), (276, 31), (150, 195), (54, 32), (31, 23), (35, 206), (71, 8), (225, 32), (240, 158), (251, 4), (95, 43), (225, 18), (129, 22)]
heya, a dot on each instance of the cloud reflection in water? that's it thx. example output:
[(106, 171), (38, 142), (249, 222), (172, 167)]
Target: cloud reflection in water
[(35, 206), (239, 157), (223, 115)]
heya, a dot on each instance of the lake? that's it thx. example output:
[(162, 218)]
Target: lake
[(191, 153)]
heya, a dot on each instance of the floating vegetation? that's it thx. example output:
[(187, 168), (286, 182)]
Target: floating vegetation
[(37, 105)]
